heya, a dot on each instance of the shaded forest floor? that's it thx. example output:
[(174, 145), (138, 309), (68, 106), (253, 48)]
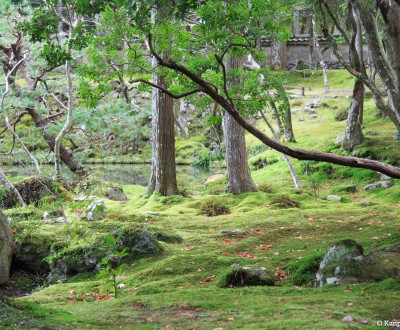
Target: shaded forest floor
[(281, 230)]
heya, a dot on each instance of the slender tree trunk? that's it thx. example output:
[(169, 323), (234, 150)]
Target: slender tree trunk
[(67, 125), (66, 155), (9, 185), (382, 63), (319, 55), (239, 177), (353, 133), (292, 171), (163, 174)]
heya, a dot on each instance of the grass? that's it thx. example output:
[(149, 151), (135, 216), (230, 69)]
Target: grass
[(179, 288)]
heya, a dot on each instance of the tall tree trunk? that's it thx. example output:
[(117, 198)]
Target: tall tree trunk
[(353, 133), (239, 177), (163, 174)]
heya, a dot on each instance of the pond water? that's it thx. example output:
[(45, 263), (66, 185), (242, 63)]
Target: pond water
[(137, 174)]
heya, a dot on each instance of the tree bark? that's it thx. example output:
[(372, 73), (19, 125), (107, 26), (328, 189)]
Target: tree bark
[(239, 177), (163, 174), (353, 133)]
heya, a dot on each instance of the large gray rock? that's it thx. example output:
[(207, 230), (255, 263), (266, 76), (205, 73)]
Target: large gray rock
[(380, 185), (116, 194), (345, 263), (6, 251), (144, 243)]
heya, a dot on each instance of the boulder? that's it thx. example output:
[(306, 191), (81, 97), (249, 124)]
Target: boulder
[(142, 243), (116, 194), (6, 249), (32, 191), (339, 263), (345, 263), (380, 185), (30, 257)]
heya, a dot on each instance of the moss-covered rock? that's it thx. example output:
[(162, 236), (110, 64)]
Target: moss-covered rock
[(246, 276), (345, 263), (6, 251)]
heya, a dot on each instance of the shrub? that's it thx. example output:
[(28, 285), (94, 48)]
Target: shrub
[(212, 208), (341, 114), (283, 201)]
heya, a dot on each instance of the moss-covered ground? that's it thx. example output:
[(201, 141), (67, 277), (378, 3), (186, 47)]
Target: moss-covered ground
[(281, 229)]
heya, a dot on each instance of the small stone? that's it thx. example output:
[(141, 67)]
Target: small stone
[(366, 203), (347, 319), (363, 322), (313, 115), (334, 198), (153, 213)]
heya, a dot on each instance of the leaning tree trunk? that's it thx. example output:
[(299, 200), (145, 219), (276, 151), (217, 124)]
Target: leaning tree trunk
[(14, 191), (382, 63), (66, 155), (239, 177), (353, 133), (163, 173)]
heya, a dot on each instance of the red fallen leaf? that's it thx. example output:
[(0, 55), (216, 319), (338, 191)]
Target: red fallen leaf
[(71, 301), (209, 279), (374, 238), (263, 247), (277, 282), (137, 304), (296, 298), (203, 283), (247, 255), (226, 253), (14, 231)]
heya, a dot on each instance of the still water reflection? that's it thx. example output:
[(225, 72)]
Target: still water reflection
[(138, 174)]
